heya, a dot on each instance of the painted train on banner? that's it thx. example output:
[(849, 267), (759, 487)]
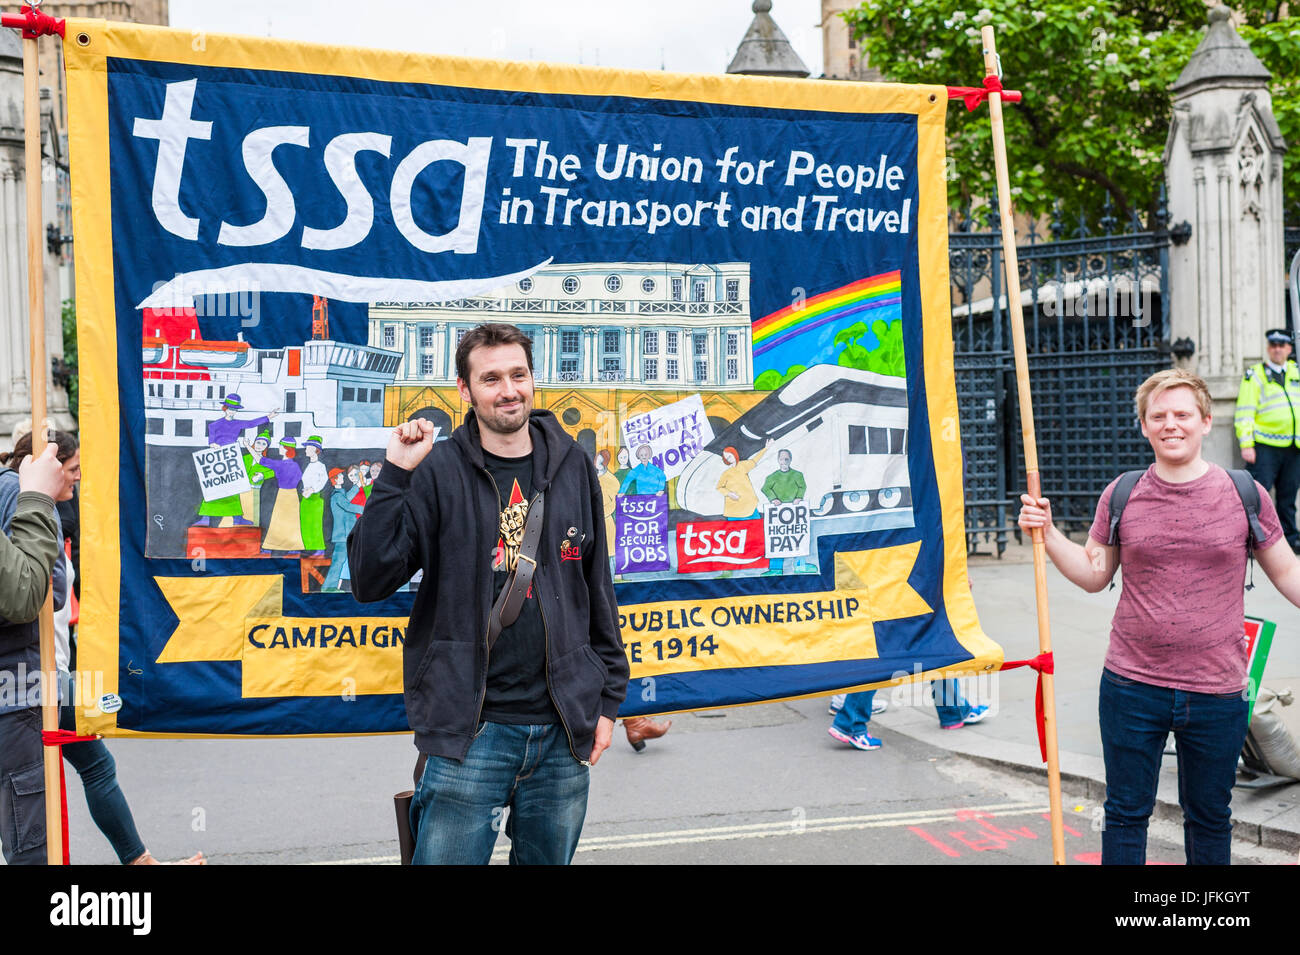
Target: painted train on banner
[(725, 446)]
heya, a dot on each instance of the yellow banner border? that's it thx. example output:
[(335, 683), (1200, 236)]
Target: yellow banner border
[(89, 43)]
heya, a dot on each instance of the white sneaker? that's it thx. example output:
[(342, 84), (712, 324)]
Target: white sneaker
[(837, 703)]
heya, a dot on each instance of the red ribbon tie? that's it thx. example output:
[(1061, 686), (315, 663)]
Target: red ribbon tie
[(61, 738), (1043, 663), (34, 24), (974, 95)]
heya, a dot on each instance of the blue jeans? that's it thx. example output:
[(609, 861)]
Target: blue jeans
[(98, 771), (459, 807), (855, 714), (949, 703), (1209, 730)]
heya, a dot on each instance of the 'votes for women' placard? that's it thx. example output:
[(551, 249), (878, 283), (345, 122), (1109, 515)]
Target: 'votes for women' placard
[(221, 472)]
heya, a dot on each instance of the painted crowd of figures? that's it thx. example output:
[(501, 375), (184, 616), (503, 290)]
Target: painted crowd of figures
[(302, 485)]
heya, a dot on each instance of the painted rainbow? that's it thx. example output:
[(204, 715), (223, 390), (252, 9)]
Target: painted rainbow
[(828, 308)]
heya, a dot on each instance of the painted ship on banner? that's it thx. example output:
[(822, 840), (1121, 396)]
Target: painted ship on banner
[(331, 389)]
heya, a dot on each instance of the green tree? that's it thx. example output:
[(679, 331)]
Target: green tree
[(879, 350), (772, 379), (70, 352), (1095, 77)]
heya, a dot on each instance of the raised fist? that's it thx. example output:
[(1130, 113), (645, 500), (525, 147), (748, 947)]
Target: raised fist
[(409, 443)]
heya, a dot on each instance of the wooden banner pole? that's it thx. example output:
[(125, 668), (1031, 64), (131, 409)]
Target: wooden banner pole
[(1033, 479), (36, 322)]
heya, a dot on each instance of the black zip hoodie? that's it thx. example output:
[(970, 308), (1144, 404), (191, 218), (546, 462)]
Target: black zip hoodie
[(442, 518)]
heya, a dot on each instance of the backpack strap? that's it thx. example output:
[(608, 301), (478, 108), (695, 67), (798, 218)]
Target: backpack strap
[(1248, 491), (1118, 499)]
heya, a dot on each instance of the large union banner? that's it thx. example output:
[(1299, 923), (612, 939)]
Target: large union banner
[(737, 293)]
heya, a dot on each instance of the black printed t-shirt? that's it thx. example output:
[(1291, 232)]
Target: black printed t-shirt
[(516, 681)]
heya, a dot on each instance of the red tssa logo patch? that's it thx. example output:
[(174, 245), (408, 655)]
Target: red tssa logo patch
[(719, 545)]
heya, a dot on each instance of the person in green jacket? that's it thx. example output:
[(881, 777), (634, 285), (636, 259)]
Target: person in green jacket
[(28, 551), (785, 485), (29, 548), (311, 512), (1268, 427), (251, 501), (224, 431)]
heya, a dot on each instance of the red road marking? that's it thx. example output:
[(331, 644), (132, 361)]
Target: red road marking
[(985, 822), (945, 849), (1023, 832), (990, 835), (1073, 832), (980, 845)]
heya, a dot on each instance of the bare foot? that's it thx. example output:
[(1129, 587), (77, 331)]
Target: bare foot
[(148, 859)]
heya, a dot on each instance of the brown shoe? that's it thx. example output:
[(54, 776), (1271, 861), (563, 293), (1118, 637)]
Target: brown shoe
[(641, 728)]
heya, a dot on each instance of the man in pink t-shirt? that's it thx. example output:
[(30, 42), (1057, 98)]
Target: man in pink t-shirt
[(1177, 655)]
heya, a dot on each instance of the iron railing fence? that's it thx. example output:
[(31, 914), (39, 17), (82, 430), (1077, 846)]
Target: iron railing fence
[(1095, 307)]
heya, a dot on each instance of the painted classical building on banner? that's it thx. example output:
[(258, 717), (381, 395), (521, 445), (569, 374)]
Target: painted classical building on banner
[(661, 326), (609, 339)]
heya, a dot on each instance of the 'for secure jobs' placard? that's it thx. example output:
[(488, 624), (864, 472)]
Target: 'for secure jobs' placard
[(641, 534), (736, 290)]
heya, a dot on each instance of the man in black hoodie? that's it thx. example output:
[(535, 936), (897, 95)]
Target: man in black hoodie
[(508, 731)]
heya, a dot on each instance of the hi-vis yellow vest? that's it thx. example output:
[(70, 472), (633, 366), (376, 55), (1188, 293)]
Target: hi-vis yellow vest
[(1268, 413)]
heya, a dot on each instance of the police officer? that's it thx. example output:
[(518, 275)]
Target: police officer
[(1268, 423)]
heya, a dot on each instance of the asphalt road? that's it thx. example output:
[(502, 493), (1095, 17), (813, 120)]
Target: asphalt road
[(761, 784)]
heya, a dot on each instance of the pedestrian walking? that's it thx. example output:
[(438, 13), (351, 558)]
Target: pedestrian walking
[(853, 711), (851, 719)]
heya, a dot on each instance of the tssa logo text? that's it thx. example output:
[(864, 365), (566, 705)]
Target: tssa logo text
[(719, 545)]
